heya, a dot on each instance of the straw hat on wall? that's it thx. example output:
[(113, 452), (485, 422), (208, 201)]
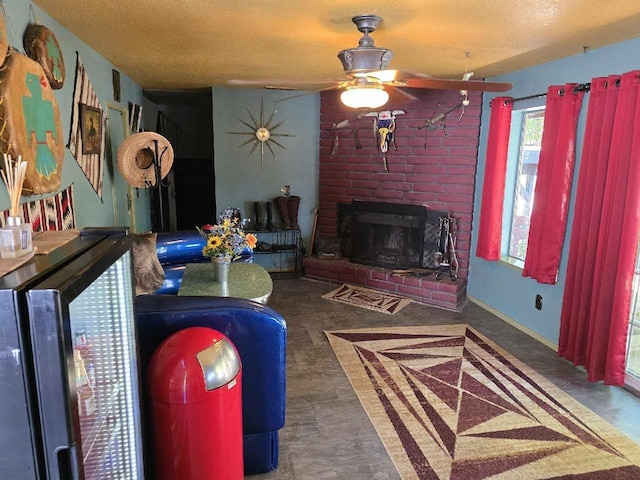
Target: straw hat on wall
[(136, 158)]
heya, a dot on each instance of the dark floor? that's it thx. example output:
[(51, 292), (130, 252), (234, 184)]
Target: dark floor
[(329, 436)]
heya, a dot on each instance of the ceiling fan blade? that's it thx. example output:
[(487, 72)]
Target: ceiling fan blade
[(444, 84), (418, 80), (282, 82), (309, 92), (398, 96)]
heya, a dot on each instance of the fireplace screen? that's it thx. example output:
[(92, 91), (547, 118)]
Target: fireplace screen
[(387, 235)]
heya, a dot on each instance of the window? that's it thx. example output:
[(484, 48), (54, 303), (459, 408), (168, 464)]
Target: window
[(633, 345), (522, 172)]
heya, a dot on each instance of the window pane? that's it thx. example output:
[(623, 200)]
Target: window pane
[(633, 347), (531, 137)]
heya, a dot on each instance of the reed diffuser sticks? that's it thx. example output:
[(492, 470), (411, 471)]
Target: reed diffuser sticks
[(16, 236), (13, 176)]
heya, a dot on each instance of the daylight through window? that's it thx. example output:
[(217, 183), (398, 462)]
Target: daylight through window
[(525, 182)]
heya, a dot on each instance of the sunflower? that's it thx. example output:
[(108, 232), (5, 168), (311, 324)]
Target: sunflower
[(214, 242)]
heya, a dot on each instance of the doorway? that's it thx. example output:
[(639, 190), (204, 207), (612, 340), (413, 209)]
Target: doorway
[(194, 197), (121, 191), (185, 118)]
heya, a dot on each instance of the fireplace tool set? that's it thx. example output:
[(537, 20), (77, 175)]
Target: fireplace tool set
[(445, 259)]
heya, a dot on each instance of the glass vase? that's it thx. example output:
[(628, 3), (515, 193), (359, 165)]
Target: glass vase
[(16, 238), (221, 269)]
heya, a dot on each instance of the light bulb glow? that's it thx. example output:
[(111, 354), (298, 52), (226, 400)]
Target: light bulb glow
[(364, 97)]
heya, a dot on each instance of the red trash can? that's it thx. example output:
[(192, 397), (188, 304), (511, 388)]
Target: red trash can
[(195, 379)]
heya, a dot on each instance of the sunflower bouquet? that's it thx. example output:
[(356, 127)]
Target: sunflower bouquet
[(226, 238)]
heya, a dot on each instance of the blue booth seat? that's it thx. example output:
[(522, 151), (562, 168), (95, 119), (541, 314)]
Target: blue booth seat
[(176, 249), (257, 331), (260, 335)]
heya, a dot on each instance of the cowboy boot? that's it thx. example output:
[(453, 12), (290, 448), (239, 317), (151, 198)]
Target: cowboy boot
[(294, 204), (281, 205), (257, 217), (270, 225)]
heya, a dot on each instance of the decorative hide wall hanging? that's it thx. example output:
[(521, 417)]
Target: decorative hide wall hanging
[(41, 45), (384, 127), (30, 122), (91, 160)]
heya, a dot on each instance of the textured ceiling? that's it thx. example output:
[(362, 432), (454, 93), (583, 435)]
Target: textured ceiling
[(192, 44)]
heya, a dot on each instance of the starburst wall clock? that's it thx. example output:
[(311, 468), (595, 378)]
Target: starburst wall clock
[(262, 133)]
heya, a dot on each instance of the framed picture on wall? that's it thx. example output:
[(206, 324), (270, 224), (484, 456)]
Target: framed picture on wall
[(115, 74), (135, 116), (91, 125)]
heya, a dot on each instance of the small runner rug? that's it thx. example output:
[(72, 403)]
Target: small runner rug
[(382, 302), (449, 404)]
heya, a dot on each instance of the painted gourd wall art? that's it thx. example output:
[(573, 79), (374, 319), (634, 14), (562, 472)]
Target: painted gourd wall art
[(4, 39), (41, 45), (30, 123)]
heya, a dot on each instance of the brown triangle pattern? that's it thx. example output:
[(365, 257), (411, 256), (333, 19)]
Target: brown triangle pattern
[(447, 372), (447, 342), (474, 387), (484, 370), (445, 392), (538, 433), (446, 435), (359, 337), (474, 411), (478, 469), (478, 404), (401, 356)]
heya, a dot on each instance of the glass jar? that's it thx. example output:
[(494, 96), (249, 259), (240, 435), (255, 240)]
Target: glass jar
[(16, 238)]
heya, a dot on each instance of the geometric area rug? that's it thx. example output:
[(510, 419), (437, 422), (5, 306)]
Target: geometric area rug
[(449, 404), (377, 300)]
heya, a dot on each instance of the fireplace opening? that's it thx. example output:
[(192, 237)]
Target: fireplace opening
[(389, 235)]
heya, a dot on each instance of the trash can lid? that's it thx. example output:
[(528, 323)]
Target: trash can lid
[(191, 363)]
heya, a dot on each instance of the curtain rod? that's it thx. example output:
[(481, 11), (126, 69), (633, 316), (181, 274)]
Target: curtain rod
[(583, 87)]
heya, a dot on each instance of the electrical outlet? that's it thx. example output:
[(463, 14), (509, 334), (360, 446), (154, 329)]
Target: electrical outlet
[(538, 302)]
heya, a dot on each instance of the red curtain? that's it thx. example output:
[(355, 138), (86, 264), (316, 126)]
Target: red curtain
[(553, 185), (490, 227), (597, 295)]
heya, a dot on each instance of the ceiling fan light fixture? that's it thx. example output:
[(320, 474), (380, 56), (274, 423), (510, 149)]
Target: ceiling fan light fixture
[(364, 96)]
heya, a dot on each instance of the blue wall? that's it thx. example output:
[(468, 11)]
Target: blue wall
[(242, 180), (90, 209), (496, 284)]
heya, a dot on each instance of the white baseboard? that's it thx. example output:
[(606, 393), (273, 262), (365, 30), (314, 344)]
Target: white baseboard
[(515, 324)]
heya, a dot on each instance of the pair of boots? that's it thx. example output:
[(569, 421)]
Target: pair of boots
[(258, 217), (288, 210)]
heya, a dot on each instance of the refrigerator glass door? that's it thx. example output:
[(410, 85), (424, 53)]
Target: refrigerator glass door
[(106, 379)]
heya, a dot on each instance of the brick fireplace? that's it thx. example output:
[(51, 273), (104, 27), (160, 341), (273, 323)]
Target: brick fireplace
[(432, 167)]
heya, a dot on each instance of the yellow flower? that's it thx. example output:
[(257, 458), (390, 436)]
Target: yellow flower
[(214, 242)]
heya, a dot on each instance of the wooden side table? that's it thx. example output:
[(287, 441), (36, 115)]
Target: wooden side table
[(246, 280)]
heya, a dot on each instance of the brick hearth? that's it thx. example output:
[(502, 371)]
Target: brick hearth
[(444, 293)]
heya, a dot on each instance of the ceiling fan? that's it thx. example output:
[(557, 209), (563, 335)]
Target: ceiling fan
[(370, 84)]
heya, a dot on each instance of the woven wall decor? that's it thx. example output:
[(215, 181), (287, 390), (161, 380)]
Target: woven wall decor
[(92, 160), (30, 123), (55, 212), (41, 45)]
